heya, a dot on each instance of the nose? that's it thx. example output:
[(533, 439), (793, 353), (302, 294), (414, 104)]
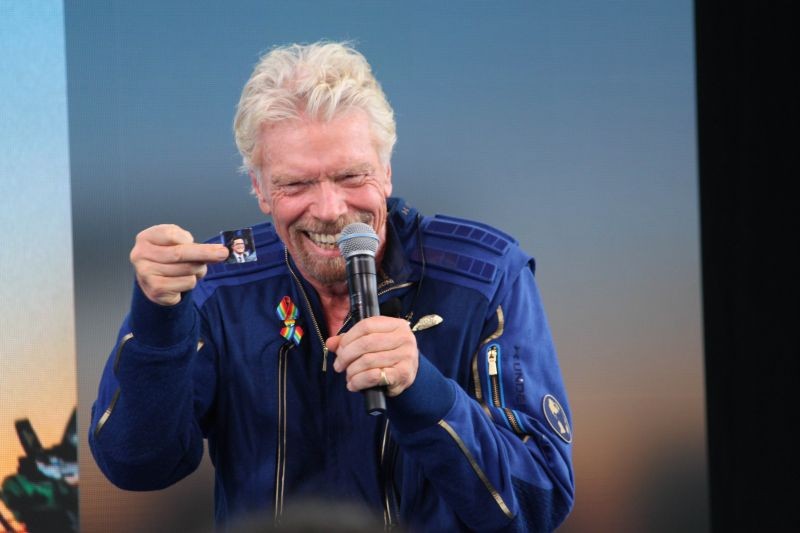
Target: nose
[(329, 203)]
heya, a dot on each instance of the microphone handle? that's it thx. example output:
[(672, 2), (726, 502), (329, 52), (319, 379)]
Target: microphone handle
[(362, 282), (363, 287)]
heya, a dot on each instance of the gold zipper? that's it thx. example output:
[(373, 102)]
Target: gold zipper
[(107, 413), (494, 378), (475, 373), (110, 409), (492, 356), (512, 419), (381, 293), (387, 482), (476, 468), (384, 282), (310, 311), (383, 289)]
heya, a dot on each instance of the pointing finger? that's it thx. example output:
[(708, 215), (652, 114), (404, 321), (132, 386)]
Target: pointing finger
[(186, 253), (166, 234)]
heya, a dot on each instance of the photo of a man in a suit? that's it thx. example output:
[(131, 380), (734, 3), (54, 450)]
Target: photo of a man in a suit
[(239, 251)]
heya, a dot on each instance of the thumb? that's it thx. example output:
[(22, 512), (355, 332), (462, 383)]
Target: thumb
[(333, 342)]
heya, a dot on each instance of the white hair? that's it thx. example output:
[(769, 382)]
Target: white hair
[(319, 80)]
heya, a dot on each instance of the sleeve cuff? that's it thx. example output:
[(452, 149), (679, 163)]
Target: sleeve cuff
[(425, 402), (157, 325)]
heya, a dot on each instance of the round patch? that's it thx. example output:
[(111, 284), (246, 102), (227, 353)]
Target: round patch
[(556, 417)]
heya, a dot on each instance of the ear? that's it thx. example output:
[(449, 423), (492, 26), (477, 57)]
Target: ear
[(258, 190), (387, 185)]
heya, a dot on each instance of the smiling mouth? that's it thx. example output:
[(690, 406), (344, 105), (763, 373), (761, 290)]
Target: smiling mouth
[(326, 241)]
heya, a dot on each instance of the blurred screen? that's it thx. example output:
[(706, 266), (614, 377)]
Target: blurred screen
[(38, 390), (570, 125)]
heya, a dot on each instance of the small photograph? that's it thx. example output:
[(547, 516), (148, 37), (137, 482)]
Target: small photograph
[(240, 245)]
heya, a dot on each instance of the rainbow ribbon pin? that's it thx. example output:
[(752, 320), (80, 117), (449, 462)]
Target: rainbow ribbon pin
[(287, 312)]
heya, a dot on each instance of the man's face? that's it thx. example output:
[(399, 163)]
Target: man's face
[(317, 177), (238, 246)]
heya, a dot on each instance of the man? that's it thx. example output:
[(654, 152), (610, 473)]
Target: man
[(266, 365), (239, 252)]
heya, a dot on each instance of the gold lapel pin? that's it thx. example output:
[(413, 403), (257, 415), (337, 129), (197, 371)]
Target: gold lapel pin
[(427, 321)]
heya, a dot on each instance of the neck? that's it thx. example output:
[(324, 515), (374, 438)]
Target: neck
[(335, 307), (335, 298)]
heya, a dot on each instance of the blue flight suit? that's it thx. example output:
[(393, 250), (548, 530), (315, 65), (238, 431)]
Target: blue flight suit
[(481, 441)]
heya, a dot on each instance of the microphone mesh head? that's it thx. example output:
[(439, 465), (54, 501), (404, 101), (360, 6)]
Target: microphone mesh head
[(357, 239)]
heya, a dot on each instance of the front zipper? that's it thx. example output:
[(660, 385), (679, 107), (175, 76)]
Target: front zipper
[(280, 456), (380, 293), (386, 464), (311, 310), (388, 484)]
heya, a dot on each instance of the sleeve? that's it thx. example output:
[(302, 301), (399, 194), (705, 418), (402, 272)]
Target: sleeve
[(500, 454), (154, 397)]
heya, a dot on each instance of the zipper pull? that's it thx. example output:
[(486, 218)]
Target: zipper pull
[(492, 355), (324, 357)]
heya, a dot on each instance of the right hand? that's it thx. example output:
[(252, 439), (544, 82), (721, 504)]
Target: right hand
[(168, 262)]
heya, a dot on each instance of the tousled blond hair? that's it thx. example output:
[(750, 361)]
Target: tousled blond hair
[(320, 81)]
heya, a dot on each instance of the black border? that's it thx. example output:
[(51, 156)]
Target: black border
[(748, 157)]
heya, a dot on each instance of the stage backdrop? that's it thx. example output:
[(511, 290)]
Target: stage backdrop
[(38, 484), (570, 125)]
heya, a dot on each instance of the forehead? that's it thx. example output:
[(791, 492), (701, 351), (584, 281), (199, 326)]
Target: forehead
[(306, 146)]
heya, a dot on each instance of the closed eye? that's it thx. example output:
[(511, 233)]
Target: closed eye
[(353, 179), (295, 187)]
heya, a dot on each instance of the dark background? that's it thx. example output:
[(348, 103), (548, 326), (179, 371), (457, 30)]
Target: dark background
[(747, 97)]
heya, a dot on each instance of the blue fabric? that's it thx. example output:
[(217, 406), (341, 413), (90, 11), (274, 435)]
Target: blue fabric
[(459, 456)]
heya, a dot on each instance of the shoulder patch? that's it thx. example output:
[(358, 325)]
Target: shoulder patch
[(475, 233), (556, 417), (457, 263), (464, 247)]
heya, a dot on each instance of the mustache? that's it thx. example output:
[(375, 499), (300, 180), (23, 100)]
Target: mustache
[(334, 227)]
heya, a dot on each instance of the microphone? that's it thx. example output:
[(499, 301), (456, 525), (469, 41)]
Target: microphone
[(358, 244)]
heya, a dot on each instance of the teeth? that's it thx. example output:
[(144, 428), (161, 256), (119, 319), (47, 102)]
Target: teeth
[(326, 239)]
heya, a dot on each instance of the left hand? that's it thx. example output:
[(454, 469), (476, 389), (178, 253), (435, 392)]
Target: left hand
[(374, 344)]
